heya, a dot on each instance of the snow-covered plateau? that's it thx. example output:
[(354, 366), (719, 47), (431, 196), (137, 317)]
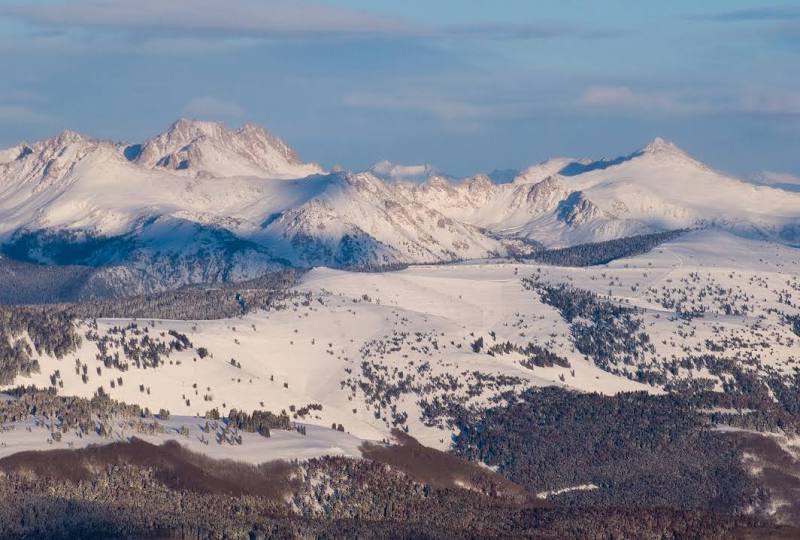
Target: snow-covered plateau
[(377, 351)]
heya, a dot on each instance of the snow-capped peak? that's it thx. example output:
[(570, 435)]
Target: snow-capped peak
[(479, 183), (661, 146), (49, 161), (68, 136), (65, 146), (200, 148), (666, 151), (243, 180), (192, 126)]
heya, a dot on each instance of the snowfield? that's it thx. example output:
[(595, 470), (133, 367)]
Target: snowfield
[(255, 449), (376, 351)]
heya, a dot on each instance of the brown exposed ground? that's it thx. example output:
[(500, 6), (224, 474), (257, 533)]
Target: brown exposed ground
[(434, 495), (179, 468), (778, 472), (175, 466), (443, 470)]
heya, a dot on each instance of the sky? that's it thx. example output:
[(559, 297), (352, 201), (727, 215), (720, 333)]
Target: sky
[(465, 85)]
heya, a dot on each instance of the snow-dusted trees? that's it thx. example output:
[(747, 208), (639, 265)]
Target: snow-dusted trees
[(50, 331), (604, 252), (258, 422)]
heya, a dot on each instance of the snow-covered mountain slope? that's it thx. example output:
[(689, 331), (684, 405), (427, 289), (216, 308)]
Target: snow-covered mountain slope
[(564, 202), (549, 212), (74, 182), (201, 202), (199, 189), (540, 171), (662, 187), (360, 220)]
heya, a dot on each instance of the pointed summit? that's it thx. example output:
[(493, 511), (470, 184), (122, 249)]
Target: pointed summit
[(480, 183), (184, 123), (189, 128), (68, 136), (661, 146), (200, 148), (663, 150)]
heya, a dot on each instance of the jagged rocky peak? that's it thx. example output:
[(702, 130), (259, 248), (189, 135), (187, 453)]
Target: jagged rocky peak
[(203, 148), (436, 183), (549, 184), (181, 133), (363, 182), (545, 193), (479, 183), (49, 160), (67, 144), (259, 136), (69, 137), (577, 209), (58, 143)]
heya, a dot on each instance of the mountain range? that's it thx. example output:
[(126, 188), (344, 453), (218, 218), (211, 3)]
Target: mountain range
[(204, 203)]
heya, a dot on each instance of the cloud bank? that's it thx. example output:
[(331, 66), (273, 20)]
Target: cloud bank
[(624, 97), (237, 16)]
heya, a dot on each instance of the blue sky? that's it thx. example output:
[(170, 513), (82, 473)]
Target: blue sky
[(466, 85)]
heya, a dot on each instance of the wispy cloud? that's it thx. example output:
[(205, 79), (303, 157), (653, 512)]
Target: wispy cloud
[(36, 42), (780, 180), (447, 109), (236, 16), (21, 96), (211, 108), (265, 18), (774, 178), (771, 13), (748, 100), (476, 100), (531, 31), (195, 45), (771, 103), (21, 114), (624, 97)]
